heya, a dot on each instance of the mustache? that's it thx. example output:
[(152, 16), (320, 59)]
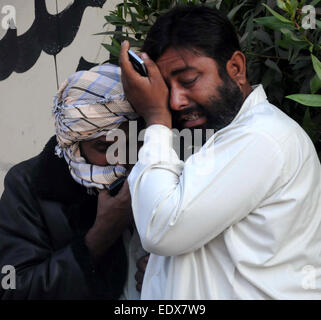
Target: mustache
[(196, 108)]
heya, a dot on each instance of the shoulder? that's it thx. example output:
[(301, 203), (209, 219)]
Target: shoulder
[(268, 120), (285, 134), (21, 174), (22, 177)]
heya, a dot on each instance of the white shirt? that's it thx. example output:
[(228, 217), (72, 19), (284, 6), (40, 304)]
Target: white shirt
[(240, 219), (134, 252)]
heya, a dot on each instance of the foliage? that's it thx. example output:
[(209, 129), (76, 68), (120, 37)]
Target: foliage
[(132, 20), (281, 54)]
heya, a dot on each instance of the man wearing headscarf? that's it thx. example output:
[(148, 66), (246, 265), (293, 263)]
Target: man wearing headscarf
[(60, 229)]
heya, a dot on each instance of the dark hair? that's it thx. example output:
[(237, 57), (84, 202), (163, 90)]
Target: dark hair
[(194, 27)]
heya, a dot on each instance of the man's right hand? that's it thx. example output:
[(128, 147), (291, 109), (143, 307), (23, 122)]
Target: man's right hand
[(114, 214), (148, 95)]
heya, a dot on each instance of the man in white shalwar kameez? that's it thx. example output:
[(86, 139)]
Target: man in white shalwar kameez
[(240, 218)]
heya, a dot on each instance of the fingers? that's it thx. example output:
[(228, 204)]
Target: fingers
[(124, 191), (139, 277), (152, 69), (127, 68), (123, 57), (125, 65), (123, 194), (142, 263), (141, 266)]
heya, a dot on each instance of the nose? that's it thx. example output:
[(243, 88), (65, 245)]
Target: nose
[(178, 99)]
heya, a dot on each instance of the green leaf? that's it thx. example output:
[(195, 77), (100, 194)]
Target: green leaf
[(232, 13), (288, 43), (114, 19), (134, 23), (315, 2), (308, 125), (272, 65), (110, 33), (291, 35), (277, 15), (273, 23), (116, 44), (281, 4), (249, 30), (302, 64), (316, 65), (263, 36), (268, 78), (315, 84), (307, 121), (285, 44), (113, 50), (318, 22), (311, 100), (294, 6), (135, 43), (245, 35)]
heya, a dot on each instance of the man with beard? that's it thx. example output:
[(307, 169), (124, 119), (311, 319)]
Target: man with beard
[(241, 218)]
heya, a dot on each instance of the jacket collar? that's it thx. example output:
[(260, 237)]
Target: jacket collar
[(52, 179)]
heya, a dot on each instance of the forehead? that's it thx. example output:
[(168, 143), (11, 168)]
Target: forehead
[(175, 61)]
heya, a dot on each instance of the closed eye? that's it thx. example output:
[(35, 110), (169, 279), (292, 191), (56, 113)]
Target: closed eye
[(188, 82), (101, 146)]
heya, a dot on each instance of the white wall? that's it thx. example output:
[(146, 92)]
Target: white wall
[(26, 99)]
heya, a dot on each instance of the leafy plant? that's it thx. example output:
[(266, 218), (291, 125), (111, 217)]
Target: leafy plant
[(132, 20), (281, 54)]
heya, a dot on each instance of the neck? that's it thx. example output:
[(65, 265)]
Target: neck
[(246, 90)]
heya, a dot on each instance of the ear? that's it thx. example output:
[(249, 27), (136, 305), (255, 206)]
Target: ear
[(236, 68)]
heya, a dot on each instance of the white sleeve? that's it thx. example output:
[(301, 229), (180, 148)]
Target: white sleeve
[(179, 207)]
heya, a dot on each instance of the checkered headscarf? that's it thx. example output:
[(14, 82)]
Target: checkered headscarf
[(89, 104)]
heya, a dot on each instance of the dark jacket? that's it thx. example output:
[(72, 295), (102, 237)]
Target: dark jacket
[(44, 215)]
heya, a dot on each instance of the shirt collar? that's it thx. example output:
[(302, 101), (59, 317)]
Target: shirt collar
[(257, 96)]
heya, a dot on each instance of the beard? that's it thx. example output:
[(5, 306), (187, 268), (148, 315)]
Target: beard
[(219, 111)]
